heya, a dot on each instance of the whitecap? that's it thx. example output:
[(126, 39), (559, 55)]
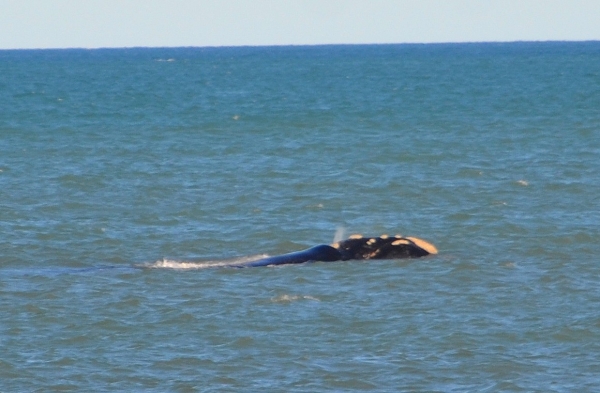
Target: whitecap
[(291, 298)]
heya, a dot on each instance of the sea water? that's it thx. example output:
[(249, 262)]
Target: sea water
[(128, 177)]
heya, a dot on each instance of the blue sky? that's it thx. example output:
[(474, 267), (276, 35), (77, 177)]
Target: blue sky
[(126, 23)]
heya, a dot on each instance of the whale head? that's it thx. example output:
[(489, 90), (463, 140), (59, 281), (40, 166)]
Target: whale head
[(383, 247)]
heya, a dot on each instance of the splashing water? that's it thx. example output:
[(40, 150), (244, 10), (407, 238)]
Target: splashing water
[(340, 234)]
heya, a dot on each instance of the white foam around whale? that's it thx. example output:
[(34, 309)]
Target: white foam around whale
[(166, 263)]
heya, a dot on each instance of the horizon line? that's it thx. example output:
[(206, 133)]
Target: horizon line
[(298, 45)]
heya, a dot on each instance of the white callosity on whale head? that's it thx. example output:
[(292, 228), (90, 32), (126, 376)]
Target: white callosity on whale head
[(430, 248)]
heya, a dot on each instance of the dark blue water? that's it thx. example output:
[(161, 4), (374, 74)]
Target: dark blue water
[(128, 175)]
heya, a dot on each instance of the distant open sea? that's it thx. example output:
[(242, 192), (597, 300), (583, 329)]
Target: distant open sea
[(126, 175)]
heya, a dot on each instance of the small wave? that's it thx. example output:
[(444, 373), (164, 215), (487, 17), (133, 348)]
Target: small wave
[(293, 298), (191, 265)]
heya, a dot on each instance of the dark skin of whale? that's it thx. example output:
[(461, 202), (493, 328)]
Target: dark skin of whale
[(356, 247), (323, 253)]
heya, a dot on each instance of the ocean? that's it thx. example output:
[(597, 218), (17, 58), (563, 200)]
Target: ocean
[(128, 177)]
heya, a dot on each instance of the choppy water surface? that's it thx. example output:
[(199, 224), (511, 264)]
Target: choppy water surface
[(128, 176)]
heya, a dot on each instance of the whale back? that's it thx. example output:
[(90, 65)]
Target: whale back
[(323, 253)]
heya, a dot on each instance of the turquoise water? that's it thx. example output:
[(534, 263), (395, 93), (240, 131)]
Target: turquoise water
[(126, 175)]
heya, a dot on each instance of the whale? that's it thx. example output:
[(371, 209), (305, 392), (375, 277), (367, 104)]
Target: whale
[(356, 247)]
